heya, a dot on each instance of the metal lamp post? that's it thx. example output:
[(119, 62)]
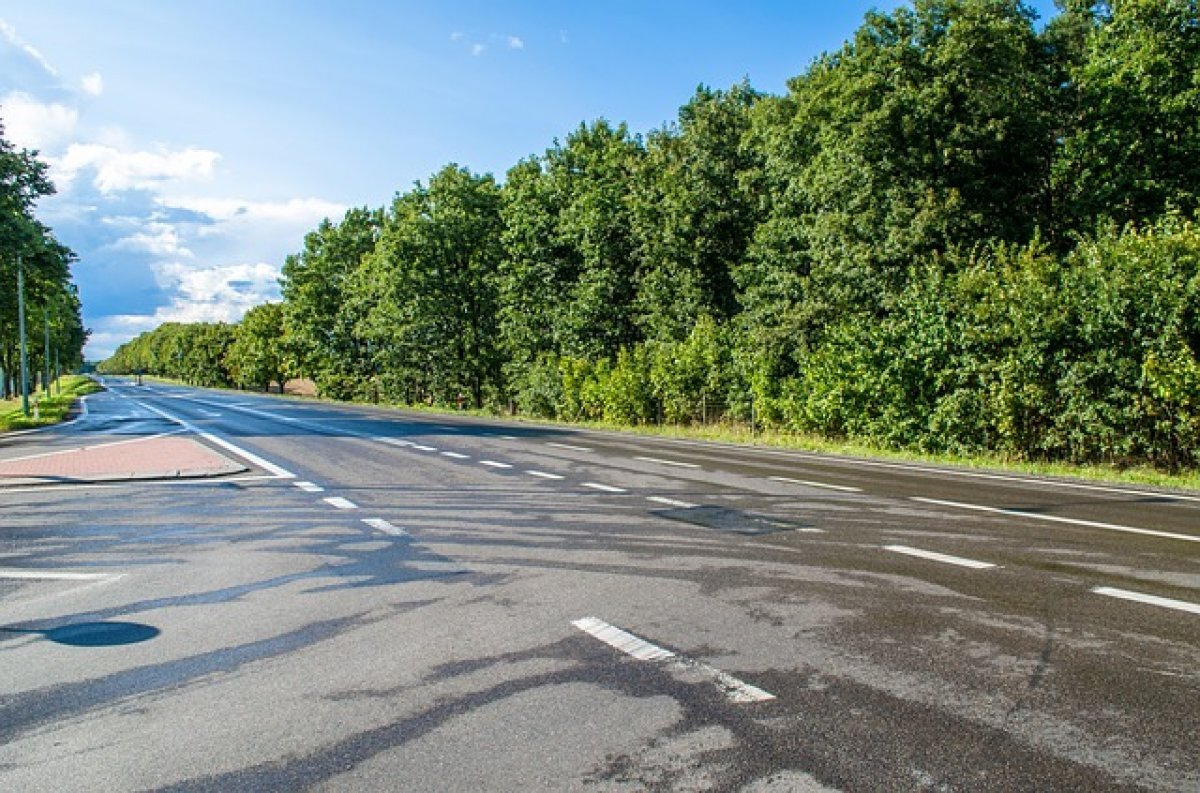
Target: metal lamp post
[(24, 350)]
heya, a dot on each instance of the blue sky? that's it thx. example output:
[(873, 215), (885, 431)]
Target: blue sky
[(194, 144)]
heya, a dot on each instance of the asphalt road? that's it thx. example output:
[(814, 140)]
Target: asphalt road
[(414, 602)]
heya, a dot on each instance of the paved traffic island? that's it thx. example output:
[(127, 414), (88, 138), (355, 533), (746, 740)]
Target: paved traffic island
[(157, 457)]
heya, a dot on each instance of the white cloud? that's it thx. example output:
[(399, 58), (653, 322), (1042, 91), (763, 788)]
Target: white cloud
[(298, 211), (215, 294), (157, 239), (31, 124), (122, 170), (92, 84), (479, 44), (10, 34)]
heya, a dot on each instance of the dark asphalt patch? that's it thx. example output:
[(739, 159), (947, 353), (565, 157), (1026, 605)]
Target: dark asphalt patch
[(733, 521)]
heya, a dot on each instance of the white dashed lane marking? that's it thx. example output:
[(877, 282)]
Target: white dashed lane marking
[(456, 455), (810, 483), (603, 488), (309, 487), (670, 502), (660, 461), (340, 503), (569, 447), (494, 464), (642, 650), (939, 557), (1151, 600), (544, 475), (379, 524)]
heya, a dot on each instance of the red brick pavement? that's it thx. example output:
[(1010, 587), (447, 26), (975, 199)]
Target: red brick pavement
[(160, 457)]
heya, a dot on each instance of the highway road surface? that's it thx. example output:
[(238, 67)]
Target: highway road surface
[(347, 598)]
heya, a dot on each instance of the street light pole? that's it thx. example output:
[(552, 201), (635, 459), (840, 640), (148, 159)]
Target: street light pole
[(46, 355), (24, 350)]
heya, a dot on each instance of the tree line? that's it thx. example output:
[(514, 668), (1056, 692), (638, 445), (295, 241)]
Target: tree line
[(958, 232), (52, 306)]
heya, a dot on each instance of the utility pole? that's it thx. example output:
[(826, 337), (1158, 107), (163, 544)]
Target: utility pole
[(24, 350)]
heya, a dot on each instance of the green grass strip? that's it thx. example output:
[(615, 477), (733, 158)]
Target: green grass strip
[(51, 409)]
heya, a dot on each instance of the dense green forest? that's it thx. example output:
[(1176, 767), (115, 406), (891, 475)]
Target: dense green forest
[(51, 298), (963, 231)]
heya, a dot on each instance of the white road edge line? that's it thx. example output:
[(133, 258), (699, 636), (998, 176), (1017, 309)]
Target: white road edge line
[(379, 524), (309, 487), (569, 447), (1153, 600), (544, 475), (604, 488), (51, 575), (642, 650), (939, 557), (810, 483), (340, 503), (660, 461), (670, 502), (1020, 513), (281, 473)]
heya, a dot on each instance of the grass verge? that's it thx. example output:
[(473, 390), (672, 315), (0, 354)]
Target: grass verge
[(51, 409)]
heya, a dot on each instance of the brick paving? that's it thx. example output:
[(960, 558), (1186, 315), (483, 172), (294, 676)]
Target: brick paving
[(159, 457)]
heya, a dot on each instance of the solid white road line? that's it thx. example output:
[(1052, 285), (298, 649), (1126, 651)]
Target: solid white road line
[(1153, 600), (280, 472), (456, 455), (939, 557), (51, 575), (659, 461), (810, 483), (670, 502), (544, 475), (955, 473), (1020, 513), (642, 650), (569, 447), (340, 503), (494, 464), (309, 487), (379, 524), (603, 488)]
